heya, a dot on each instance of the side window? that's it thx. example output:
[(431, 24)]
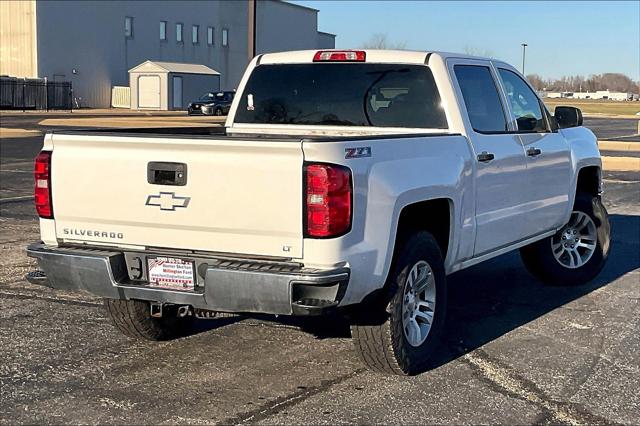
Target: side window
[(179, 28), (525, 105), (210, 33), (225, 37), (163, 30), (128, 27), (481, 98), (195, 34)]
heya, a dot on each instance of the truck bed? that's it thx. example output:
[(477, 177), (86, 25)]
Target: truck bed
[(221, 132), (238, 195)]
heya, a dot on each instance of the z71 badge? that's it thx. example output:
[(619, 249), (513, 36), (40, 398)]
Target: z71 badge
[(359, 152)]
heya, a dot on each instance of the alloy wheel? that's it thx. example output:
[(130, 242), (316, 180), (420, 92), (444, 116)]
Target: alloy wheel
[(418, 303), (575, 243)]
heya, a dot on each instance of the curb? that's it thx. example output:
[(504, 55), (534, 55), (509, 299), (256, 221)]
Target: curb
[(619, 146), (621, 164), (607, 115), (6, 132)]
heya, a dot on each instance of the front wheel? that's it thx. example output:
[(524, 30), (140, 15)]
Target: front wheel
[(576, 253), (404, 336), (218, 112)]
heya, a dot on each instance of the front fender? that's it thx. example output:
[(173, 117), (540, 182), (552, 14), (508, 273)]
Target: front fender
[(584, 153)]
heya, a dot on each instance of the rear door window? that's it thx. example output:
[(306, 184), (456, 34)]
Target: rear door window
[(341, 94), (482, 99)]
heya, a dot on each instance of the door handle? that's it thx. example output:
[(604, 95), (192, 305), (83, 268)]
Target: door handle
[(485, 157), (164, 173), (533, 152)]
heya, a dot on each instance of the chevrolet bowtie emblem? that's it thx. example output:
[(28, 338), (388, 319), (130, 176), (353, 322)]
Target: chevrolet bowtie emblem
[(167, 201)]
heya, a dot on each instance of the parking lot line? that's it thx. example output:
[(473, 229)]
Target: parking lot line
[(502, 377), (61, 300), (15, 171), (620, 181), (16, 199)]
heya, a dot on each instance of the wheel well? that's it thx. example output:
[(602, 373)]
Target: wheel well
[(589, 181), (433, 216)]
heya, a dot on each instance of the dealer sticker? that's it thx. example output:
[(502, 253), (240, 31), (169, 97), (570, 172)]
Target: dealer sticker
[(171, 273)]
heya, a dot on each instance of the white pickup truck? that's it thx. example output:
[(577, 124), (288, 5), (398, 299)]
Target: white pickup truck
[(350, 181)]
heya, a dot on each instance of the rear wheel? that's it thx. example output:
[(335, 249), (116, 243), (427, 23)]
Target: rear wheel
[(576, 253), (405, 335), (133, 318)]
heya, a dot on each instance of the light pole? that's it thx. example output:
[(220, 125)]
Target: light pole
[(251, 35), (524, 51)]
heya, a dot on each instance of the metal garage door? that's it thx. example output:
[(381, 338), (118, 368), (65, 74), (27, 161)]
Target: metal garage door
[(149, 91)]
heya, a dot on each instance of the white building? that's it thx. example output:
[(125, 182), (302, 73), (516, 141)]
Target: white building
[(604, 94), (93, 43), (168, 85), (600, 94)]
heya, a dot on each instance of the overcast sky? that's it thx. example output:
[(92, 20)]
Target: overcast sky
[(564, 38)]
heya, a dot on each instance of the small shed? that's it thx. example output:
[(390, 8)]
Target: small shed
[(170, 85)]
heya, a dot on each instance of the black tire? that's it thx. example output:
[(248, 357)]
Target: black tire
[(133, 319), (378, 335), (218, 112), (542, 264)]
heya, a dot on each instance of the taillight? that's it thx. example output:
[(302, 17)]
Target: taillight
[(42, 191), (327, 200), (340, 56)]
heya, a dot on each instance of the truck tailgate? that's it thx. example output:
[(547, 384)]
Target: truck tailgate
[(240, 196)]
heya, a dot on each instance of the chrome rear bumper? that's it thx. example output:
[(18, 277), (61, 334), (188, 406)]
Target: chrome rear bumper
[(228, 285)]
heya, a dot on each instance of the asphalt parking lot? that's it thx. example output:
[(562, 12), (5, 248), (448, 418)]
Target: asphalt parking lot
[(613, 128), (514, 352)]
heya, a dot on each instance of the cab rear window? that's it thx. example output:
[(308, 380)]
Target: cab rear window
[(342, 94)]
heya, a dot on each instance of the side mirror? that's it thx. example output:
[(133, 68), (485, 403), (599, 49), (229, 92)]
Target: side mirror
[(567, 116)]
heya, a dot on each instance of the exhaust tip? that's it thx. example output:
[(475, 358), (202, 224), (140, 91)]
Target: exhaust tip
[(37, 277), (183, 311)]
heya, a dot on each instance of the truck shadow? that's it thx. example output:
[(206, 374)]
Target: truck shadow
[(491, 299), (498, 296)]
